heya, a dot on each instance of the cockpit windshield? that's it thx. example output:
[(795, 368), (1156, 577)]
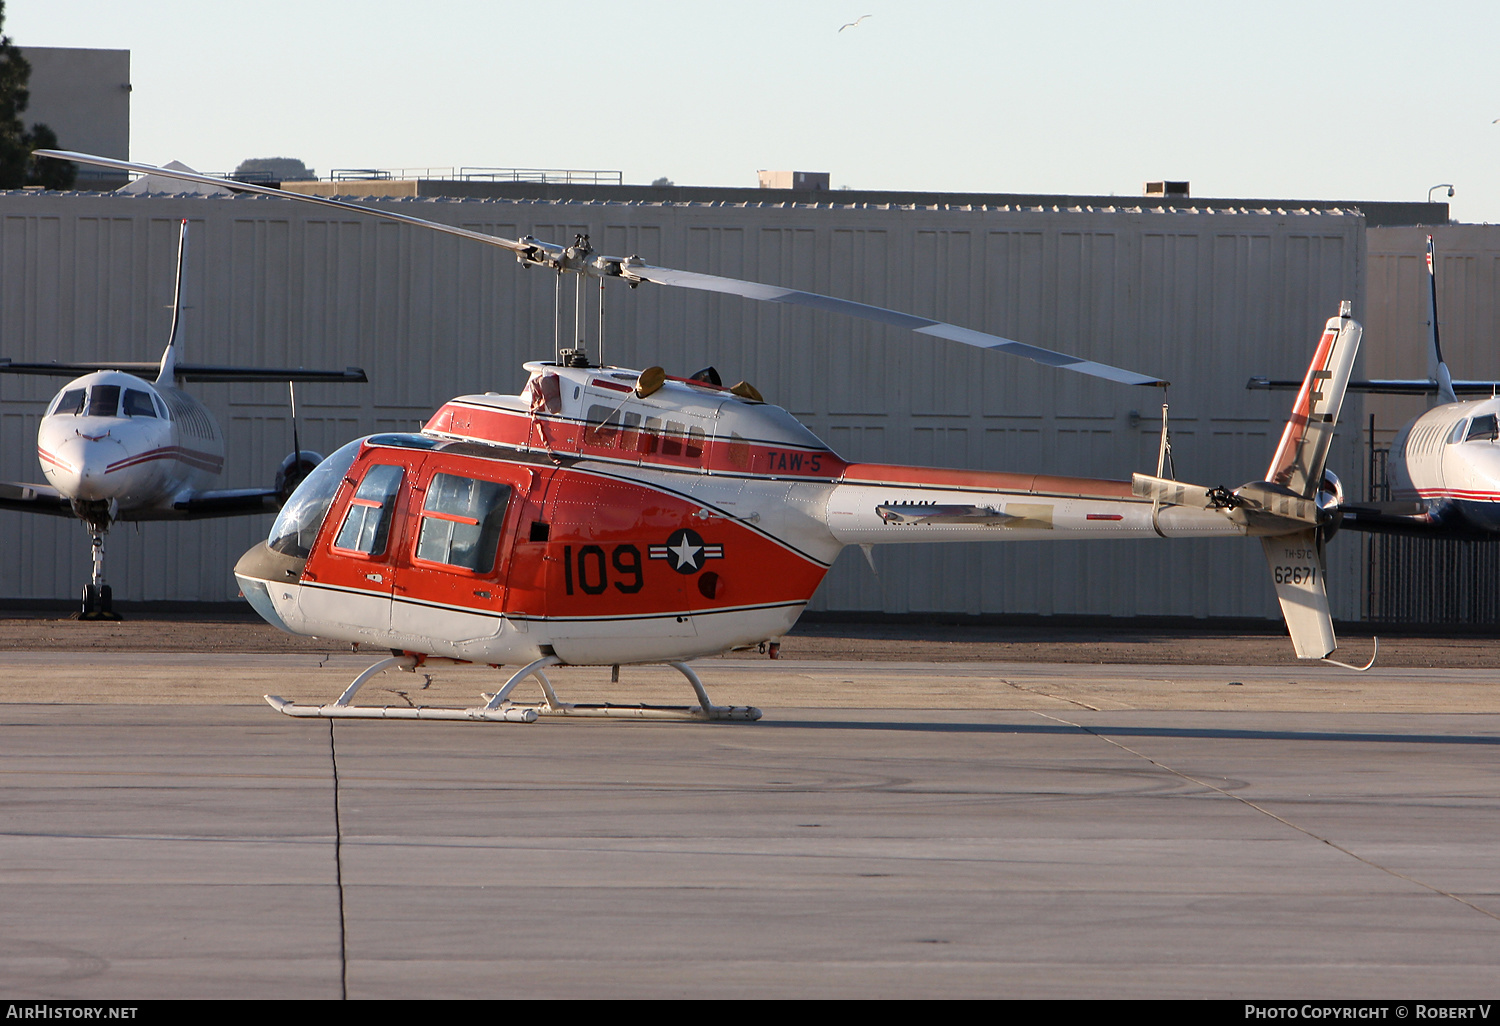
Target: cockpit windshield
[(138, 404), (104, 401), (296, 528), (71, 401), (1483, 429)]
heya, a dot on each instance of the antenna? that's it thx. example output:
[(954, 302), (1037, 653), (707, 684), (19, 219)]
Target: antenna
[(557, 320), (291, 387), (601, 322)]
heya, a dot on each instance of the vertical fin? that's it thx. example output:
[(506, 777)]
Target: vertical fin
[(1297, 568), (1299, 459), (1437, 368), (168, 372), (1297, 560)]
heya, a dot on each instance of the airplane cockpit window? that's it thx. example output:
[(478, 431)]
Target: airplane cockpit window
[(368, 522), (104, 401), (1457, 434), (1483, 429), (138, 404), (461, 521), (296, 527), (71, 401)]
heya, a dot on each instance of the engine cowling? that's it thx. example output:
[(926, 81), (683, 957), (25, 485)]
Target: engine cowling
[(295, 467)]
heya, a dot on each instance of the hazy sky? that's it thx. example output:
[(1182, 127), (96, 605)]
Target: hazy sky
[(1309, 99)]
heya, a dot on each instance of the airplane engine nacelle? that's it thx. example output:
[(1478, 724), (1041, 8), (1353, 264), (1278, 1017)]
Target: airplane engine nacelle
[(294, 468), (1330, 501)]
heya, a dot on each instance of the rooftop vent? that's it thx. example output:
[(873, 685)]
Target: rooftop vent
[(814, 180), (1167, 189)]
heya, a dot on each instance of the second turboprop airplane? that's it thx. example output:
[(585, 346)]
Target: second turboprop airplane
[(1444, 465), (609, 516), (115, 445)]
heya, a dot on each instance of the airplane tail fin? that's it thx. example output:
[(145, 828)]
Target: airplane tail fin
[(1437, 367), (167, 373)]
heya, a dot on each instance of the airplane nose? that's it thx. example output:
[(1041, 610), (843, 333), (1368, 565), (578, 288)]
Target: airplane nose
[(85, 467)]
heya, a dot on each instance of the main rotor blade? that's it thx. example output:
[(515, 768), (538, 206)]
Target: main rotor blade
[(634, 270), (894, 318), (513, 245)]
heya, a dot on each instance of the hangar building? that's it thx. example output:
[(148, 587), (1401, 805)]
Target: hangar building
[(1203, 293)]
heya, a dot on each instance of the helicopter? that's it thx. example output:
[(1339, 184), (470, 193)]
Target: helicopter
[(115, 446), (608, 516)]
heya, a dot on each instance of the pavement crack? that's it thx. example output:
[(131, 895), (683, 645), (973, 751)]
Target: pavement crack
[(338, 868), (1267, 812), (1047, 694)]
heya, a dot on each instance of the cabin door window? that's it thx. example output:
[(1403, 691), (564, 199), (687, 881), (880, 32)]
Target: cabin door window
[(461, 521)]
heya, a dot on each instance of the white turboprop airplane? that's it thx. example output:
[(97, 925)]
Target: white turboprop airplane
[(115, 446), (1444, 466)]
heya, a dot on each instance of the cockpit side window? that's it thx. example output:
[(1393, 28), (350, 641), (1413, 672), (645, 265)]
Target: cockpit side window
[(104, 401), (367, 524), (461, 521), (138, 404), (71, 401), (1483, 429)]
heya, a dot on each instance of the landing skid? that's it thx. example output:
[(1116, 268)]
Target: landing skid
[(499, 708)]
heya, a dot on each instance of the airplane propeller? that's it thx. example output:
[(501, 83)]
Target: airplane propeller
[(579, 259)]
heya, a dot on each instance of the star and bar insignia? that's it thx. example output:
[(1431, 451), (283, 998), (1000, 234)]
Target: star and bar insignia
[(686, 551)]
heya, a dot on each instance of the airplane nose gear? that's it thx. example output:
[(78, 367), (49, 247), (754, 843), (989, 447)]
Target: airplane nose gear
[(98, 598)]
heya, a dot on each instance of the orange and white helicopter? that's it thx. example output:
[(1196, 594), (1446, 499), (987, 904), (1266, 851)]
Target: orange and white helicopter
[(1444, 466), (115, 446), (608, 516)]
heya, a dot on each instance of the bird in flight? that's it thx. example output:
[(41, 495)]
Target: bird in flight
[(855, 22)]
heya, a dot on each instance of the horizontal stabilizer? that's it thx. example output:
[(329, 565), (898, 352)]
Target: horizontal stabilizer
[(185, 371), (1266, 499), (1262, 506), (1169, 492)]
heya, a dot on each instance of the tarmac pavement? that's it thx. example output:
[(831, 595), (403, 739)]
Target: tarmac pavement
[(889, 829)]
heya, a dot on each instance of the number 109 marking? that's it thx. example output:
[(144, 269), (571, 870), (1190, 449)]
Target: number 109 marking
[(592, 574)]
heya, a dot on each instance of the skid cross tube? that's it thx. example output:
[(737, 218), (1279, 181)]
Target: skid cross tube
[(499, 708)]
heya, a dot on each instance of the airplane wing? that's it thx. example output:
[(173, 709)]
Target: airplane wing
[(229, 502), (1408, 519), (34, 498), (1392, 386), (223, 502), (184, 371)]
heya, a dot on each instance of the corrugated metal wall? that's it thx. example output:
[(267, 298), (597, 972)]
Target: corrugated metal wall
[(1468, 270), (1204, 298)]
